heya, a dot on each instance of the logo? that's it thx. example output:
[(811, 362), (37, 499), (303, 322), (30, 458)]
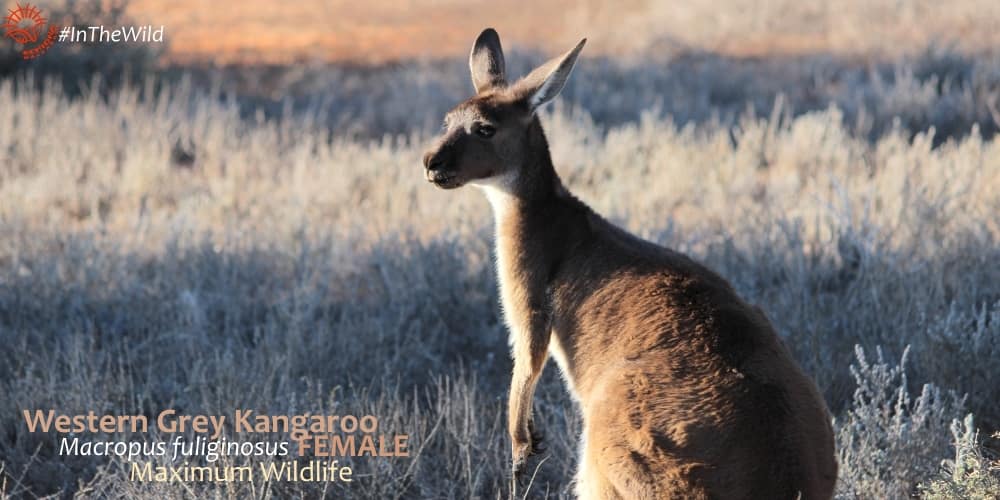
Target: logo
[(25, 24)]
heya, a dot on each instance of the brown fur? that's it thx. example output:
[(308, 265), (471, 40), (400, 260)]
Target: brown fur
[(685, 390)]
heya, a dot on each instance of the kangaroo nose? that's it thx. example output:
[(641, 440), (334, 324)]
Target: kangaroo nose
[(433, 162)]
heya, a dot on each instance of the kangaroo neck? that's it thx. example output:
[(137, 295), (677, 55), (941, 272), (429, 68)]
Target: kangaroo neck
[(525, 196), (536, 218)]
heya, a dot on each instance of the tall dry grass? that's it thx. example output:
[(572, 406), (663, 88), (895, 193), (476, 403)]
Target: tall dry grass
[(166, 248)]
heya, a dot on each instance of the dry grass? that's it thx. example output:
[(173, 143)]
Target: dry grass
[(287, 271)]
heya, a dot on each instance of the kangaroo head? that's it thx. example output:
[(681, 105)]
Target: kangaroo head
[(490, 138)]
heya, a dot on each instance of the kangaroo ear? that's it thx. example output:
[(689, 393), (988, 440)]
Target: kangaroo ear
[(486, 61), (545, 82)]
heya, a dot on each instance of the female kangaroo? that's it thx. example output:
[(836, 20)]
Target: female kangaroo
[(685, 390)]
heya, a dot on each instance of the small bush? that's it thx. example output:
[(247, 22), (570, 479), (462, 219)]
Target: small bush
[(968, 476), (889, 441)]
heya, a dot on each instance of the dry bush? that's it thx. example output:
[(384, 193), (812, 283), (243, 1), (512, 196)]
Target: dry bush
[(889, 440), (970, 474)]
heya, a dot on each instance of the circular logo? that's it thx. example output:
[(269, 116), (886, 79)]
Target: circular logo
[(23, 24)]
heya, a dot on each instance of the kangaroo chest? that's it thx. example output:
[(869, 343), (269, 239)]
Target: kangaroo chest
[(522, 274)]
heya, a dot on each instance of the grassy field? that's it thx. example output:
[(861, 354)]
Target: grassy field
[(262, 237)]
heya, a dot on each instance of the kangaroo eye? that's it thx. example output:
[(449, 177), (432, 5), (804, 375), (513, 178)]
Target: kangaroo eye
[(485, 131)]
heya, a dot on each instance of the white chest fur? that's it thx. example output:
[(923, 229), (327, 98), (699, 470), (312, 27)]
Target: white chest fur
[(507, 245), (504, 207)]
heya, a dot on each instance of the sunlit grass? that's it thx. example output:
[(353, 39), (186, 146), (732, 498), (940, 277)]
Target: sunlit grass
[(169, 251)]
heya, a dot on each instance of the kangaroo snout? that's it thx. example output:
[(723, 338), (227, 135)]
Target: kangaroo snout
[(438, 170), (433, 162)]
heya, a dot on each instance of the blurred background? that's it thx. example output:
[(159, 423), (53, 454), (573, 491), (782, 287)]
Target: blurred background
[(392, 66), (237, 218), (390, 31)]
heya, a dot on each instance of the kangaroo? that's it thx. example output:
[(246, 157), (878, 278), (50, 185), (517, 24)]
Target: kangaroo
[(685, 390)]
